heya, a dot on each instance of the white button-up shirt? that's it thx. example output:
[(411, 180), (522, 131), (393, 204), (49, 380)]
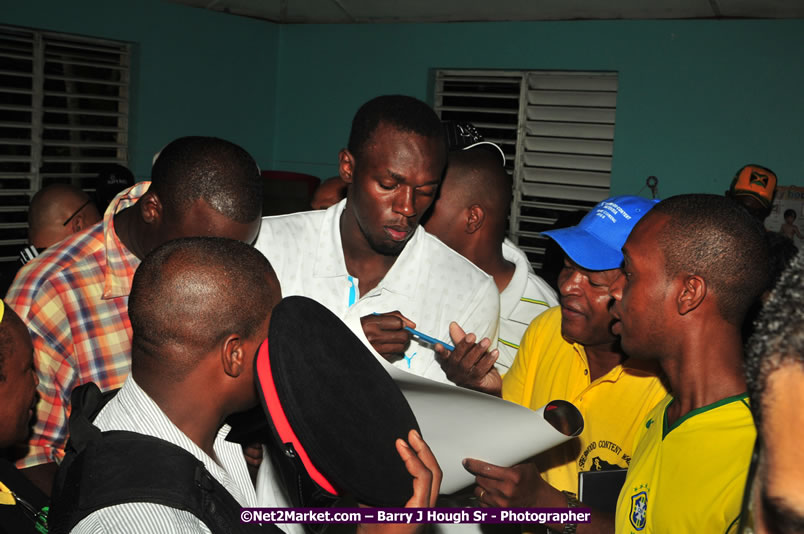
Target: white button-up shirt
[(429, 283)]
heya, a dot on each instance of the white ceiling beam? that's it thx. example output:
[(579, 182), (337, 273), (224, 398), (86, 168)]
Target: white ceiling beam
[(350, 11)]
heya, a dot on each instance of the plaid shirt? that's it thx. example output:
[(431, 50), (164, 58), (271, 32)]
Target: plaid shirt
[(74, 299)]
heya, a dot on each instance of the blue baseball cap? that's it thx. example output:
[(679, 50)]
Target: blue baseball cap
[(596, 242)]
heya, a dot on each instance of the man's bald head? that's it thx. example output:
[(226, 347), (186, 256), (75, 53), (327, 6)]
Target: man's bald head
[(328, 193), (474, 178), (55, 205), (190, 294)]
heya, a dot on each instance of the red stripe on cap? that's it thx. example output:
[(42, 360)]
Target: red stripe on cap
[(286, 433)]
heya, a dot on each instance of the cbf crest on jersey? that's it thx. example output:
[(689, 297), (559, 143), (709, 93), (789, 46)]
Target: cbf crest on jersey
[(639, 510)]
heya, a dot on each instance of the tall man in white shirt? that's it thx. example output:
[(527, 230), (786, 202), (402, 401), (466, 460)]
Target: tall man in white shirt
[(367, 260)]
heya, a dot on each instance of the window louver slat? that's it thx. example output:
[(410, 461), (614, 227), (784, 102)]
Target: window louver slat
[(64, 101), (558, 132)]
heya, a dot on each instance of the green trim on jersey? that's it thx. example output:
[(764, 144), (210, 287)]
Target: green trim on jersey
[(534, 301), (508, 343), (667, 428)]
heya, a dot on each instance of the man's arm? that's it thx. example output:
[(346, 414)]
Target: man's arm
[(47, 322), (56, 378), (522, 486), (49, 435)]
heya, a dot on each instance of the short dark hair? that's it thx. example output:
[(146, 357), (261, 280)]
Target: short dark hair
[(789, 213), (221, 173), (778, 337), (404, 113), (483, 180), (712, 236), (193, 292)]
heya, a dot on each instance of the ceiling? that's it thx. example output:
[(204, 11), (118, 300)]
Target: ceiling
[(372, 11)]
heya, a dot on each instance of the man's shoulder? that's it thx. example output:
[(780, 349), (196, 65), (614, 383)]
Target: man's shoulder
[(728, 416), (290, 227), (440, 256), (515, 255), (66, 262), (543, 337), (296, 218), (131, 409), (112, 416), (538, 286), (535, 299), (299, 219)]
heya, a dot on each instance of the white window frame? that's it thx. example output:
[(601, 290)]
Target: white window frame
[(83, 66)]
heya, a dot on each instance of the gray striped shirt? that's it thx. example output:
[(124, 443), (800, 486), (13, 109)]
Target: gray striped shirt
[(132, 409)]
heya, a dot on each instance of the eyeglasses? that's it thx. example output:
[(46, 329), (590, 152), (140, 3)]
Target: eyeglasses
[(70, 218)]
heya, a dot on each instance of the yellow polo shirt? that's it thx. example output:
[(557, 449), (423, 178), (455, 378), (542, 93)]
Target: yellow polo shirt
[(547, 367), (689, 477)]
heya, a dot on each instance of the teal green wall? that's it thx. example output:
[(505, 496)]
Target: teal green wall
[(697, 99), (194, 72)]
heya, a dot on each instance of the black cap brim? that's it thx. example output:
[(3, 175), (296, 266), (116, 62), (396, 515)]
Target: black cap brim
[(343, 407)]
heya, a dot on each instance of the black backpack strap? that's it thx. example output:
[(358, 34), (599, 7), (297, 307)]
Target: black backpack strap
[(104, 469), (86, 401)]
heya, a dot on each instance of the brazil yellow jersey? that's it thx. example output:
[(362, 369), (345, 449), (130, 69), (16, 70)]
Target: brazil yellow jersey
[(547, 367), (688, 477)]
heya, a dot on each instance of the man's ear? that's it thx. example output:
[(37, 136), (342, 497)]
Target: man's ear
[(233, 355), (77, 223), (692, 294), (346, 165), (150, 208), (475, 219)]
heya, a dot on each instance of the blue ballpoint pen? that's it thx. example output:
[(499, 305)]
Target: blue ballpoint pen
[(425, 337), (429, 339)]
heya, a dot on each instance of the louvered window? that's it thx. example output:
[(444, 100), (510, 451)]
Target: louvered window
[(557, 129), (63, 114)]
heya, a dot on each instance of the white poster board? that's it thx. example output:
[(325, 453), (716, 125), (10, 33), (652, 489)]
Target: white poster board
[(458, 423)]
